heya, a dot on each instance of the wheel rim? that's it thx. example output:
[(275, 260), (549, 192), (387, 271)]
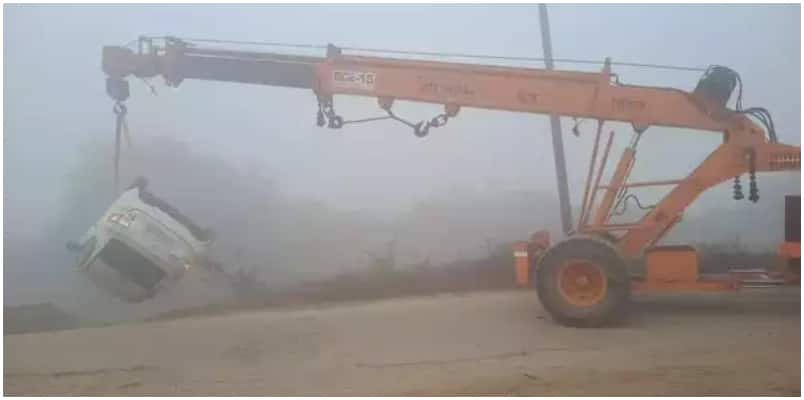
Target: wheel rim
[(582, 283)]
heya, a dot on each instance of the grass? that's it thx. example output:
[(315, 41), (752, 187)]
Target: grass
[(383, 280), (377, 281)]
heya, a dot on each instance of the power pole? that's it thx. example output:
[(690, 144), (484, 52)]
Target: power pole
[(555, 127)]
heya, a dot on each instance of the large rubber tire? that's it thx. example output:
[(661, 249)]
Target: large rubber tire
[(583, 282)]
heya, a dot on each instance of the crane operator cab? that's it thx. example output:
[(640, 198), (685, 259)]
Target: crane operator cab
[(140, 245)]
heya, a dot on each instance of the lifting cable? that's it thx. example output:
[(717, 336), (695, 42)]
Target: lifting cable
[(121, 129)]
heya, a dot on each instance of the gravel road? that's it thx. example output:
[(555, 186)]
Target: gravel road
[(478, 343)]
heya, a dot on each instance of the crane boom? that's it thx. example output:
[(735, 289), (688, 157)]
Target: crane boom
[(746, 146), (570, 93)]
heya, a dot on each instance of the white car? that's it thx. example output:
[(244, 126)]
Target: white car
[(140, 245)]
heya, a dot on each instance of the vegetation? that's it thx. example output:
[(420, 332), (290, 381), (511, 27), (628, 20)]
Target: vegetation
[(275, 248)]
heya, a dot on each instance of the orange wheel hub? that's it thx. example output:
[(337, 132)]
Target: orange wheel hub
[(582, 283)]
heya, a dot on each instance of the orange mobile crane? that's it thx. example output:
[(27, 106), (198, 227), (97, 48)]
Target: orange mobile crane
[(581, 280)]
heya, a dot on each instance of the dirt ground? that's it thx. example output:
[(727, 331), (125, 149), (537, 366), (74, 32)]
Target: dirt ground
[(476, 343)]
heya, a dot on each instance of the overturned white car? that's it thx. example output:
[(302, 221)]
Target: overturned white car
[(140, 245)]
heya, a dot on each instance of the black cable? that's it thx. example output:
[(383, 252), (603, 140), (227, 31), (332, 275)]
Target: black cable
[(638, 204), (446, 54), (719, 82), (764, 117), (760, 113), (250, 43), (362, 120), (625, 205), (659, 66), (617, 202)]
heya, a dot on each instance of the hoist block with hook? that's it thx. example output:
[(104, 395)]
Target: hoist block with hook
[(117, 88)]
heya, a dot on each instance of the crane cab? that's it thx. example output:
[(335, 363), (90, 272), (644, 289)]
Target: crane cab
[(140, 246)]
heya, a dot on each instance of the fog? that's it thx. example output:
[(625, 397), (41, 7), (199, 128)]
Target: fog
[(485, 178)]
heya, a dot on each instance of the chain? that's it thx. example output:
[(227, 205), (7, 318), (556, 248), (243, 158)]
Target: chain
[(753, 189), (326, 115), (738, 189)]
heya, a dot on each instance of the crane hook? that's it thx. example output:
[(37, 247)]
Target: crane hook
[(421, 129), (335, 122)]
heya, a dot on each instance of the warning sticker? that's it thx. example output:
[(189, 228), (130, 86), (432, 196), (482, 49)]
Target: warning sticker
[(353, 79)]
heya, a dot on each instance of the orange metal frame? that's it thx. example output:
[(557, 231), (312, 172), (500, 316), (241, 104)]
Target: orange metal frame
[(790, 250), (701, 285), (584, 95), (593, 95)]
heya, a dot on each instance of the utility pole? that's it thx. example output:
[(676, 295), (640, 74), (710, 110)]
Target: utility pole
[(555, 127)]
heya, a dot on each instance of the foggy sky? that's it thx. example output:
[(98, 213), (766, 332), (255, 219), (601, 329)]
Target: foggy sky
[(55, 97)]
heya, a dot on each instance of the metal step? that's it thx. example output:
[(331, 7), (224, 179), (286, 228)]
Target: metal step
[(756, 278), (762, 283)]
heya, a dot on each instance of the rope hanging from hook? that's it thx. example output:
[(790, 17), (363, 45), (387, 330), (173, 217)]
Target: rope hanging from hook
[(121, 129)]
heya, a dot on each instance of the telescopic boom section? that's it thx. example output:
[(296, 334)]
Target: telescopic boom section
[(177, 61), (592, 95)]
